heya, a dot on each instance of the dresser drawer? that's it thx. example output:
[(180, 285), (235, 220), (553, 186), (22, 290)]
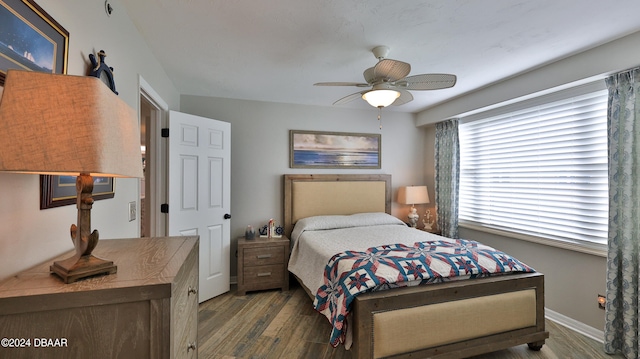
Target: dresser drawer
[(185, 309), (263, 275), (263, 255)]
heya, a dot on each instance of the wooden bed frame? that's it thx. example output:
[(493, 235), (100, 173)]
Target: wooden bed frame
[(468, 317)]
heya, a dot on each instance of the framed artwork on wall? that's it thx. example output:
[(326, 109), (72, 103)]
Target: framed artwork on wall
[(57, 191), (316, 149), (30, 39)]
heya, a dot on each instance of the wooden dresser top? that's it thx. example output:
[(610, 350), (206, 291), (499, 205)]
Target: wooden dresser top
[(146, 268)]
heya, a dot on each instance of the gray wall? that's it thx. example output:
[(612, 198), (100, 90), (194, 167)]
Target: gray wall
[(260, 151), (572, 279), (29, 236)]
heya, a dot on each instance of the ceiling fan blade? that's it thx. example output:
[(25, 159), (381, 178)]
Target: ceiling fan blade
[(369, 76), (350, 98), (427, 82), (405, 96), (392, 70), (357, 84)]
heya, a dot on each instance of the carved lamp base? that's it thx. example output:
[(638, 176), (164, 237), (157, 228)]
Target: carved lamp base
[(74, 268), (83, 264)]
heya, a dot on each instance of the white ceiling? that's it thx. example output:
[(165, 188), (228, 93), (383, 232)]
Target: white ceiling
[(275, 50)]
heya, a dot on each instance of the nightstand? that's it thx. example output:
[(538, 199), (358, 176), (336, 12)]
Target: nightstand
[(262, 264)]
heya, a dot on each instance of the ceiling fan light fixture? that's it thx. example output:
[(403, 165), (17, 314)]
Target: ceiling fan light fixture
[(381, 98)]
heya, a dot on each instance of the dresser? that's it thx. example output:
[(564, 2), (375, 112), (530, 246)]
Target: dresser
[(262, 264), (148, 309)]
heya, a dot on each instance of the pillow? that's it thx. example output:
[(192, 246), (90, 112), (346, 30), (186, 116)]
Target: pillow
[(316, 223)]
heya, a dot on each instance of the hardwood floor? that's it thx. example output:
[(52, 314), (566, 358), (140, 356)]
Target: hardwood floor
[(275, 324)]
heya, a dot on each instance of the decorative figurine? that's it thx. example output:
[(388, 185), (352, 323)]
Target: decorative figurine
[(413, 217), (263, 231), (427, 222), (100, 70), (250, 233), (270, 230)]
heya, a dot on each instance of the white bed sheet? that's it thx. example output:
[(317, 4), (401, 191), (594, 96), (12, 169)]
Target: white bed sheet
[(316, 239)]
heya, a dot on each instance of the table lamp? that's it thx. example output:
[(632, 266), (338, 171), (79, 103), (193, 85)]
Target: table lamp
[(69, 126), (413, 195)]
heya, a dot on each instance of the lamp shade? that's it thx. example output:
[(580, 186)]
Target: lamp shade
[(413, 195), (66, 125), (381, 98)]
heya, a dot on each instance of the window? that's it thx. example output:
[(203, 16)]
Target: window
[(538, 170)]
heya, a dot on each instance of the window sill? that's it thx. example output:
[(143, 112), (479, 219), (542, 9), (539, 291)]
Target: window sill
[(588, 248)]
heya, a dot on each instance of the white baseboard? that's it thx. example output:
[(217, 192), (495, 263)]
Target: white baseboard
[(575, 325)]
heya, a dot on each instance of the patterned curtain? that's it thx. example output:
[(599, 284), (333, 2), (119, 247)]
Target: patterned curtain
[(623, 116), (447, 163)]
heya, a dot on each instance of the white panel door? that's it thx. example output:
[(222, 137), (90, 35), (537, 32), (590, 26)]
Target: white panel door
[(199, 194)]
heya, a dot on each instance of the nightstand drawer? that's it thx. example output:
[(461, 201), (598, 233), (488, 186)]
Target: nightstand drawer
[(258, 275), (263, 256)]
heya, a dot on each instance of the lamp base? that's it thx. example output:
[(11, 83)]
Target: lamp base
[(74, 268)]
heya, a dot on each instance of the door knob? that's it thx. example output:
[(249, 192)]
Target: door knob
[(227, 216)]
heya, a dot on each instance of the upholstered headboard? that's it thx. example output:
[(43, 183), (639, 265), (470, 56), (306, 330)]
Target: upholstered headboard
[(315, 195)]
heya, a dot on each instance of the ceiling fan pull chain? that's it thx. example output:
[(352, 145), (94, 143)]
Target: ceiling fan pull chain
[(379, 114)]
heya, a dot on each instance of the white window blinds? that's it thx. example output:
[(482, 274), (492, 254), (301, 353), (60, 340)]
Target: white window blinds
[(539, 171)]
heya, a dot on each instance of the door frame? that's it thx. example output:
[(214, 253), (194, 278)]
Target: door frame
[(156, 165)]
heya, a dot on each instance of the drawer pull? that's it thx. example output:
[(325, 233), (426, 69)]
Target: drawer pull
[(266, 274), (191, 346), (192, 290), (263, 256)]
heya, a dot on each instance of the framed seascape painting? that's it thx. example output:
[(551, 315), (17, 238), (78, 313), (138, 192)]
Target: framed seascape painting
[(30, 39), (316, 149), (56, 191)]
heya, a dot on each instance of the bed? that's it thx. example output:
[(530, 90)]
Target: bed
[(454, 319)]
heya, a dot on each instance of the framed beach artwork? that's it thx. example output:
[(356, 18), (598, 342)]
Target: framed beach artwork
[(30, 39), (316, 149)]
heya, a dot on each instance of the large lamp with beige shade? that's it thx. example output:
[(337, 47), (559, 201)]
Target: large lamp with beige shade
[(71, 126), (413, 195)]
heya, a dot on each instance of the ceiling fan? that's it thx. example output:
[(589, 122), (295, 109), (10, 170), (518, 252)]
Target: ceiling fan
[(389, 82)]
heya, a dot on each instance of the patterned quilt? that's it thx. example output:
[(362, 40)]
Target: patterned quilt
[(351, 272)]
